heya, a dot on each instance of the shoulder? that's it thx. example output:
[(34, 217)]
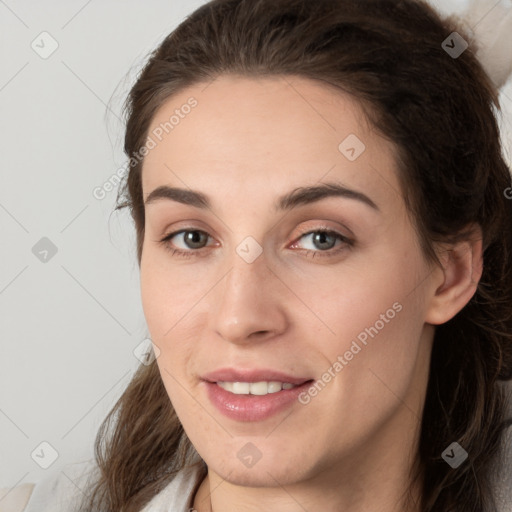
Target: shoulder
[(15, 499), (491, 29), (59, 491)]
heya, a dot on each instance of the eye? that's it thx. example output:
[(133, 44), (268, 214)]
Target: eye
[(322, 242), (191, 241)]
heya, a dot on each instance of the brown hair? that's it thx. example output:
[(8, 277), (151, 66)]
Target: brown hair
[(439, 112)]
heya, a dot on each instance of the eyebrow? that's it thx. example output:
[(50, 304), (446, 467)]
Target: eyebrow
[(298, 197)]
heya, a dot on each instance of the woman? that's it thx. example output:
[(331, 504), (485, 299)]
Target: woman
[(324, 241)]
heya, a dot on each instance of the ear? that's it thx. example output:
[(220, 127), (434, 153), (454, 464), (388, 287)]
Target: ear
[(462, 265)]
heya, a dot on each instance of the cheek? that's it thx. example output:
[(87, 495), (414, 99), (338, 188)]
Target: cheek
[(378, 355), (167, 295), (175, 316), (366, 293), (371, 324)]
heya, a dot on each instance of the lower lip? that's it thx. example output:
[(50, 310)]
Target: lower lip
[(252, 407)]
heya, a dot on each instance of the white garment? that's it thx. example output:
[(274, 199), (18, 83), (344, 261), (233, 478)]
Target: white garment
[(63, 490)]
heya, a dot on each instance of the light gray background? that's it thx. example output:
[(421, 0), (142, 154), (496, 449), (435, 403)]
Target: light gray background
[(69, 326)]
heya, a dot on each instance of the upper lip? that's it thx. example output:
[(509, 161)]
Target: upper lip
[(252, 375)]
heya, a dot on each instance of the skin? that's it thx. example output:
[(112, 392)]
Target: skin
[(246, 143)]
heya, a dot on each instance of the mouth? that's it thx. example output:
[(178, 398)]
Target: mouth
[(253, 395), (241, 380), (261, 388)]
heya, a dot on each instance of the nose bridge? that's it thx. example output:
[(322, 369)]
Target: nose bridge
[(247, 301), (244, 277), (248, 266), (247, 280)]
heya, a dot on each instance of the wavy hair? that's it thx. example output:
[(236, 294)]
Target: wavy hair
[(441, 114)]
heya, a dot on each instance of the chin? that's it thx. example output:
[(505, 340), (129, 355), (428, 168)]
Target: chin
[(273, 476), (274, 468)]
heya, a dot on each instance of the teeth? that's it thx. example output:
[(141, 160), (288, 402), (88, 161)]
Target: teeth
[(240, 388), (255, 388)]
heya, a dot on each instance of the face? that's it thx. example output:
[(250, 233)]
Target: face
[(298, 263)]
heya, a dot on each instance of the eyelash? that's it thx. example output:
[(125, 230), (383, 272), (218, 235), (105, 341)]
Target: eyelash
[(180, 253)]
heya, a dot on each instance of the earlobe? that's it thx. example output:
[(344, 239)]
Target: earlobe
[(462, 269)]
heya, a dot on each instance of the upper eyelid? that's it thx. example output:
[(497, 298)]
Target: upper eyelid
[(172, 234)]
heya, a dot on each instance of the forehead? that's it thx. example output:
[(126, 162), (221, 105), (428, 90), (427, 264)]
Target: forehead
[(265, 133)]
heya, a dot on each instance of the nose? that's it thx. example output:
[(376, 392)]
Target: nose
[(249, 302)]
